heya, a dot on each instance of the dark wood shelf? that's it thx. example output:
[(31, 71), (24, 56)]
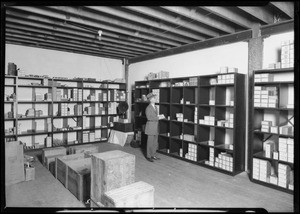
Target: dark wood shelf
[(269, 133), (9, 101), (93, 88), (223, 147), (274, 83), (34, 86), (8, 119), (34, 133), (66, 131), (10, 85), (277, 70), (34, 118), (10, 135), (10, 76), (24, 101), (275, 109), (67, 101), (262, 155), (218, 106)]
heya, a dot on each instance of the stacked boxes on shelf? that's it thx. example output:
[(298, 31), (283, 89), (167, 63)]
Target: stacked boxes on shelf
[(265, 97), (112, 108), (90, 110), (188, 137), (102, 96), (91, 97), (74, 94), (208, 120), (38, 97), (211, 156), (101, 109), (284, 175), (79, 95), (196, 115), (179, 117), (193, 81), (261, 170), (48, 141), (286, 130), (63, 109), (192, 152), (224, 161), (287, 54), (285, 150), (91, 136), (224, 79), (49, 125), (85, 136), (266, 126), (228, 122), (48, 96), (269, 147), (264, 77)]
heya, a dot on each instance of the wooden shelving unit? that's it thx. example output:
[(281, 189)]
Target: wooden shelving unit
[(185, 98), (17, 85), (283, 81)]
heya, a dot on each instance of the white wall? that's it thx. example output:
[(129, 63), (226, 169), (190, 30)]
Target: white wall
[(200, 62), (63, 64)]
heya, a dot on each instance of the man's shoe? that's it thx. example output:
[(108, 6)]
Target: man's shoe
[(156, 158), (150, 159)]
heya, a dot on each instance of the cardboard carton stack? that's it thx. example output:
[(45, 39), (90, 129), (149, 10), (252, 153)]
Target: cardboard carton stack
[(261, 170), (285, 150), (224, 161), (225, 79), (179, 117), (196, 115), (228, 122), (208, 120), (78, 109), (266, 97), (192, 152), (287, 54), (264, 77), (283, 175), (193, 81)]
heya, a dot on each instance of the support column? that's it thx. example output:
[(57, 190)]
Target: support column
[(126, 65), (255, 61)]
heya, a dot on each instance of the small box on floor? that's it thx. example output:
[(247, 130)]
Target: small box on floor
[(29, 172)]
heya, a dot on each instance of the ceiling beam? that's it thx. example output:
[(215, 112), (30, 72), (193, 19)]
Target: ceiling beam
[(222, 40), (285, 7), (70, 40), (192, 14), (64, 43), (277, 28), (92, 24), (169, 18), (52, 26), (226, 13), (141, 20), (52, 47), (260, 13), (13, 28)]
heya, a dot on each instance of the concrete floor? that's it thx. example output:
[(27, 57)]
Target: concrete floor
[(177, 184)]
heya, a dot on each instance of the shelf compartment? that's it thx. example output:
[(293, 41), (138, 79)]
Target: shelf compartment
[(175, 146), (163, 143), (190, 94), (34, 118), (188, 113), (206, 94), (34, 133), (176, 95), (164, 95), (175, 109), (224, 95)]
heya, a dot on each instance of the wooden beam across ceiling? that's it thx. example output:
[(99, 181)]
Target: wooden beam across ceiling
[(260, 13), (222, 40), (228, 14), (185, 36), (52, 25), (93, 24), (61, 43), (70, 40), (192, 14), (41, 31), (16, 41), (276, 28), (285, 7), (176, 20)]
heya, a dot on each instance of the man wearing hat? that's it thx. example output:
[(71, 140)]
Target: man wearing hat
[(151, 128)]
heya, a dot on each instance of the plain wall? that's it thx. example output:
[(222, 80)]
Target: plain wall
[(62, 64)]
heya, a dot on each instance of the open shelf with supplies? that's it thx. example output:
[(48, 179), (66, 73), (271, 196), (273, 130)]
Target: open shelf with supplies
[(200, 123), (271, 142), (49, 112)]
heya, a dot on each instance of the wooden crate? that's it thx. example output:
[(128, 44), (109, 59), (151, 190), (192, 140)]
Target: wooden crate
[(139, 194), (53, 151), (111, 170), (79, 178), (92, 148), (29, 173), (61, 166), (50, 163), (14, 162)]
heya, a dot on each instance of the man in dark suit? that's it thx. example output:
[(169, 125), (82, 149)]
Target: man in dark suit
[(151, 128)]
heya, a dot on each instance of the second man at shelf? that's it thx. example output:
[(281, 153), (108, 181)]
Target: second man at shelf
[(151, 128)]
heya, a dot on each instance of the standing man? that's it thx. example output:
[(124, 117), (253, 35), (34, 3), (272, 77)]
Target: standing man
[(151, 128)]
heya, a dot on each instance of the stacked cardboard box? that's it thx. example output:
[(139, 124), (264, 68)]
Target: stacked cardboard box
[(163, 75), (188, 137), (74, 94), (85, 136), (196, 115), (225, 79), (38, 97), (211, 156), (286, 130), (91, 136), (261, 170), (228, 122), (208, 120), (265, 97), (90, 110), (192, 152), (63, 109), (224, 161), (179, 117), (112, 108), (283, 175), (269, 147), (285, 150), (287, 54), (193, 81), (79, 95), (101, 109), (48, 96), (264, 77)]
